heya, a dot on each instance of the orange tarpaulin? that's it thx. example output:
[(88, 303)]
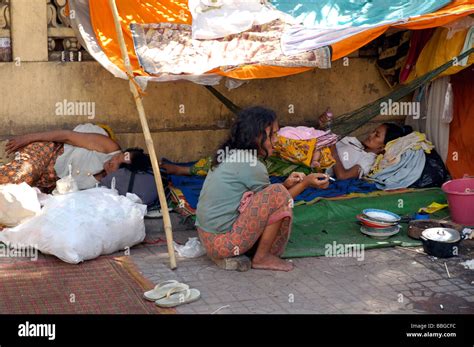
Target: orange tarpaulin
[(460, 159), (176, 11), (132, 11)]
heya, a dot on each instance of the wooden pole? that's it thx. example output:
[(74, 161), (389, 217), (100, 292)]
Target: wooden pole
[(146, 132)]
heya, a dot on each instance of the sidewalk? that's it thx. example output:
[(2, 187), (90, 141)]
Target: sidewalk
[(391, 280)]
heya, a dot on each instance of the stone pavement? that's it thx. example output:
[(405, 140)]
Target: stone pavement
[(392, 280)]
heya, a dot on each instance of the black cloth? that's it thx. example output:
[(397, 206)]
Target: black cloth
[(139, 183)]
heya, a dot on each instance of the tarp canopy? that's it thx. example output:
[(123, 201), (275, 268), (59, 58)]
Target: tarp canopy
[(94, 22)]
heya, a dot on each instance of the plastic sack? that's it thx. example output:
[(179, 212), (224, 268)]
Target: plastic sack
[(18, 202), (192, 248), (66, 184), (81, 226), (468, 264)]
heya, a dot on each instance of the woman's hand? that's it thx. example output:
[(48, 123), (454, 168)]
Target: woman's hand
[(317, 180), (294, 179), (13, 145)]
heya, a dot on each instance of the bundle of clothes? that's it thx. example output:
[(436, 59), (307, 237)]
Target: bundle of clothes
[(306, 145), (408, 161)]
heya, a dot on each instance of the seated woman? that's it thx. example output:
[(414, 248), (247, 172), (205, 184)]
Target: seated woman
[(238, 207), (43, 158)]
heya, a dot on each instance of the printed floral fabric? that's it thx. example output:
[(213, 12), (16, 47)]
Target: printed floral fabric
[(202, 167), (34, 165), (257, 211), (326, 159), (296, 151), (168, 48)]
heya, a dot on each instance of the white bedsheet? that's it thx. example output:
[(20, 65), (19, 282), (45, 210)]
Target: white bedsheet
[(232, 17)]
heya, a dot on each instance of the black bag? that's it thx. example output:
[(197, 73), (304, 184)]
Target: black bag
[(141, 183), (434, 173)]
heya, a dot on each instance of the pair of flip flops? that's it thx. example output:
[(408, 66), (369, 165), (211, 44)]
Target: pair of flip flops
[(172, 293)]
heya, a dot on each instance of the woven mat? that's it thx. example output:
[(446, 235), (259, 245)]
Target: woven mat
[(106, 285)]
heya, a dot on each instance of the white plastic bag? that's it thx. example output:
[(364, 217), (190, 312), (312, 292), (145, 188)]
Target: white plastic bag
[(81, 226), (18, 202), (468, 264), (192, 248), (66, 184)]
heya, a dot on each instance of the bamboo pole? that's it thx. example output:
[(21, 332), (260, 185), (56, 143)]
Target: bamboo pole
[(146, 132)]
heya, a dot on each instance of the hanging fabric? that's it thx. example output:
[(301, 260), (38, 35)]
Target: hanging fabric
[(460, 160), (436, 113), (345, 124), (418, 40), (392, 55), (440, 114), (419, 123), (444, 45)]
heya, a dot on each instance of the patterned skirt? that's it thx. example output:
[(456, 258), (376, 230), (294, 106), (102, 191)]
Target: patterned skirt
[(34, 164), (264, 208)]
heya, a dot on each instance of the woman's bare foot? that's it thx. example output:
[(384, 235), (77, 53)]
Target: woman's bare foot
[(271, 262)]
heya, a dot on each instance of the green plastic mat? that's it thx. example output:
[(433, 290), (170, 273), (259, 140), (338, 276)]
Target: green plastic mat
[(318, 226)]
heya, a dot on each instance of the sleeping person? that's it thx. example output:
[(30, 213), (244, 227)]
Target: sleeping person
[(296, 149), (43, 158), (392, 157), (410, 162), (350, 157), (355, 159)]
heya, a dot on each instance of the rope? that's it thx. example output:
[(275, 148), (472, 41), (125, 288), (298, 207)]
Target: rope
[(349, 122)]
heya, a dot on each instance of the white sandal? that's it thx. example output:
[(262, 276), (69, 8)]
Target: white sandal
[(163, 288), (176, 297)]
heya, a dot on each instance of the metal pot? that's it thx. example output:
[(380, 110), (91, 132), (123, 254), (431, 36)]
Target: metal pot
[(416, 227), (441, 242)]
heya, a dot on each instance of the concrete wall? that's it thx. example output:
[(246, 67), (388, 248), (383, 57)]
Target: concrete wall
[(186, 120)]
